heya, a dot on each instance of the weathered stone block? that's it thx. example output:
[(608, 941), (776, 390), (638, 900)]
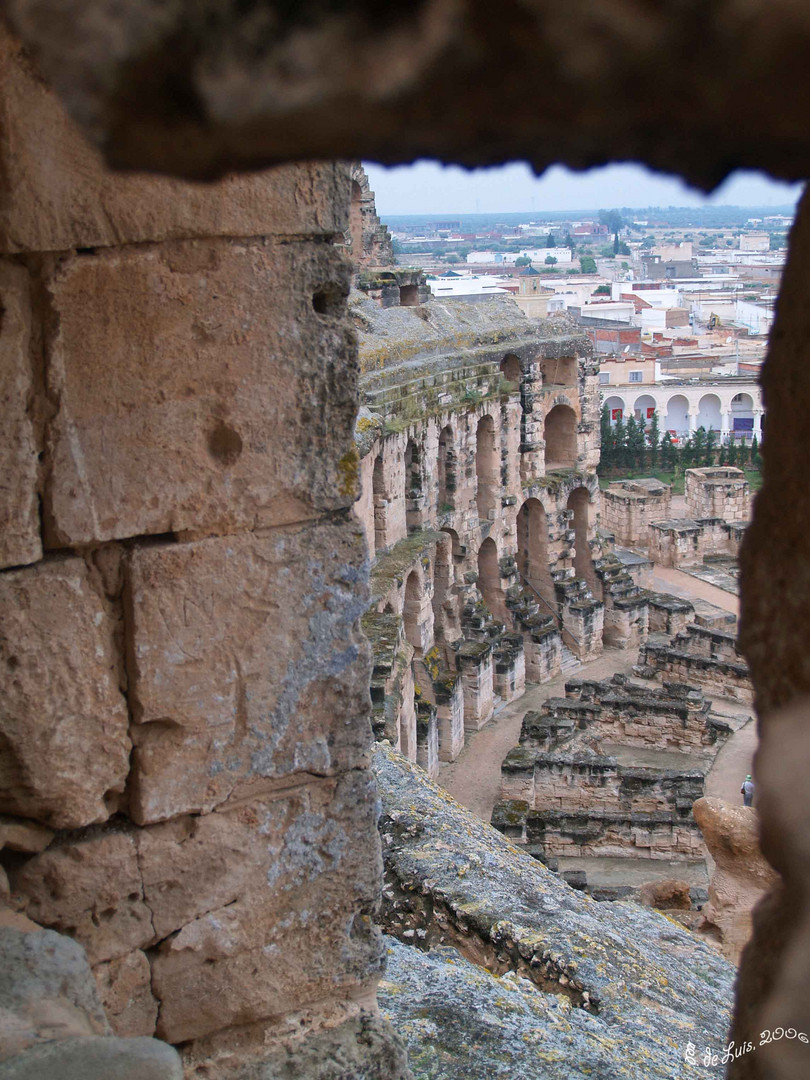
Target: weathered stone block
[(91, 889), (218, 704), (19, 512), (63, 719), (309, 887), (125, 989), (66, 198), (233, 398)]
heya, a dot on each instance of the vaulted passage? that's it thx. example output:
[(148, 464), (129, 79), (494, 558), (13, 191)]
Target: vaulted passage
[(560, 433), (413, 486), (446, 468), (580, 502), (489, 578), (380, 498), (533, 557), (486, 468)]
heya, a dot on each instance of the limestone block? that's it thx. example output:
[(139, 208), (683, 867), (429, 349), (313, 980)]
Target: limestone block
[(219, 704), (65, 198), (46, 992), (28, 836), (233, 398), (19, 513), (298, 932), (63, 719), (91, 889), (97, 1059), (125, 988)]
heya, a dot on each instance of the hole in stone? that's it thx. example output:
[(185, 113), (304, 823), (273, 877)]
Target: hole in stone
[(329, 300), (224, 444)]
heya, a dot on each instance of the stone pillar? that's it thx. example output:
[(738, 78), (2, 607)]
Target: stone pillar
[(179, 398), (692, 417)]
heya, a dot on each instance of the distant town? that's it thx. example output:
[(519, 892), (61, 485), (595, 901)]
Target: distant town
[(677, 302)]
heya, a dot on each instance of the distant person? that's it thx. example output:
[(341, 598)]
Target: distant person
[(747, 791)]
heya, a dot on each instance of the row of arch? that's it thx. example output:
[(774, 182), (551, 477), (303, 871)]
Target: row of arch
[(560, 434), (675, 417), (533, 565)]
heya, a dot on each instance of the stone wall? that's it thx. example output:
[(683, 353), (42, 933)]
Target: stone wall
[(717, 493), (700, 656), (572, 789), (684, 542), (181, 589), (630, 506)]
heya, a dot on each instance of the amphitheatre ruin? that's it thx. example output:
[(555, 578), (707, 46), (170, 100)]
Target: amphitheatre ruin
[(290, 543)]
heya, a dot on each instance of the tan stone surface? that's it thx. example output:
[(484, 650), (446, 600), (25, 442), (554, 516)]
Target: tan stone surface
[(669, 894), (125, 989), (741, 874), (57, 194), (232, 401), (247, 663), (19, 509), (64, 747), (299, 932), (90, 889), (19, 835)]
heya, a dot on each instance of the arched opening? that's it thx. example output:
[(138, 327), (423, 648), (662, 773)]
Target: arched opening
[(615, 408), (677, 421), (560, 433), (580, 502), (709, 412), (644, 409), (510, 369), (742, 417), (533, 561), (413, 486), (446, 468), (486, 468), (380, 500), (446, 617), (412, 610), (489, 578), (356, 221)]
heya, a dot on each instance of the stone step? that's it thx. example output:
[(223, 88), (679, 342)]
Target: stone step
[(568, 661)]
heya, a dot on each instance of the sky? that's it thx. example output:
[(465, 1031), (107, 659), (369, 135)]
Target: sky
[(427, 187)]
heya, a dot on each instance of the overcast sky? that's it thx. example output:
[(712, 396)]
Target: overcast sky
[(429, 188)]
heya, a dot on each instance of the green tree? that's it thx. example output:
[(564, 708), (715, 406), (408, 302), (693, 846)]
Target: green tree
[(732, 453), (587, 265), (613, 219), (601, 290), (654, 439), (619, 445), (756, 456), (711, 442), (699, 446), (634, 437), (550, 260), (669, 454), (524, 260)]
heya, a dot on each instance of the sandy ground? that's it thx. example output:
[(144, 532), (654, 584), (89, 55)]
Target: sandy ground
[(474, 777)]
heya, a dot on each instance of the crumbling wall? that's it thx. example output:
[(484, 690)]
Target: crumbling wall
[(717, 493), (630, 506), (181, 589)]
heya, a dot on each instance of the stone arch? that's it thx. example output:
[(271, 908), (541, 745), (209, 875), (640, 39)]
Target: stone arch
[(379, 496), (677, 418), (446, 470), (413, 485), (510, 368), (486, 468), (710, 413), (489, 578), (446, 616), (742, 416), (412, 610), (532, 554), (560, 434), (644, 408), (559, 370), (616, 408), (583, 506)]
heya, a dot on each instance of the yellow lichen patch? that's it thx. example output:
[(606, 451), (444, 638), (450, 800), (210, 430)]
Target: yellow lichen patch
[(348, 469)]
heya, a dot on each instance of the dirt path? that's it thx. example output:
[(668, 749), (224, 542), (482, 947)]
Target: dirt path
[(474, 778), (665, 579), (735, 759)]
